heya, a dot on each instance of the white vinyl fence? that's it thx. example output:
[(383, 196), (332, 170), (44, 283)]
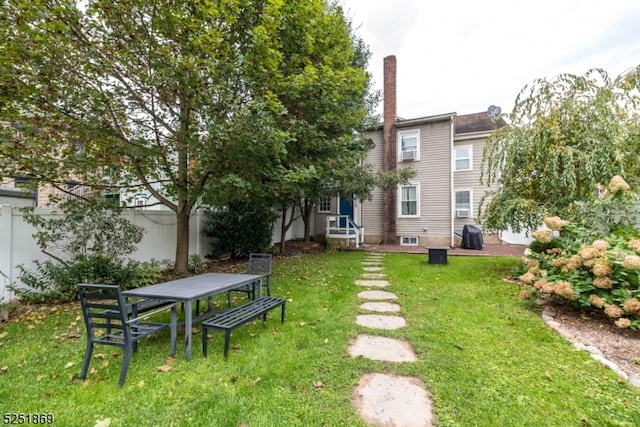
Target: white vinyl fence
[(17, 245)]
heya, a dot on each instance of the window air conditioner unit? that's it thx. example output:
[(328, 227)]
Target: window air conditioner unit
[(409, 155), (462, 213)]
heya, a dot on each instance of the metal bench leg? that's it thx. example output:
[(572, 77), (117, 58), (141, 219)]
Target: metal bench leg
[(174, 329), (227, 338), (125, 364), (282, 314), (204, 341), (87, 360)]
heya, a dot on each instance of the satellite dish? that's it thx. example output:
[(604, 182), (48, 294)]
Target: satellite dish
[(494, 111)]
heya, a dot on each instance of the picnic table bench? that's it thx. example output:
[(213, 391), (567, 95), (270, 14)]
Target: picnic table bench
[(236, 317)]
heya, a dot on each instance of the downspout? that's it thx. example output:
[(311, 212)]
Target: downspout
[(452, 201)]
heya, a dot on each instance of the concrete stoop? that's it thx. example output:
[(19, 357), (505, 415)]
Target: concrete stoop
[(385, 399)]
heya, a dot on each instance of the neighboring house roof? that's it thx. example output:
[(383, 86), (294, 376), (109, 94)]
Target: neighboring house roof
[(477, 122)]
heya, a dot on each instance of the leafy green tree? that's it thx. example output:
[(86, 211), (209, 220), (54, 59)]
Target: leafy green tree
[(567, 138), (83, 229), (174, 97)]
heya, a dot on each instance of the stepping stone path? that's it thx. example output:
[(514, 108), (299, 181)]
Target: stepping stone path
[(386, 399), (380, 307)]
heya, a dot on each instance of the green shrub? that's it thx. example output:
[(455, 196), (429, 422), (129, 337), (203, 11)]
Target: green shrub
[(240, 229), (57, 282), (592, 267), (86, 244)]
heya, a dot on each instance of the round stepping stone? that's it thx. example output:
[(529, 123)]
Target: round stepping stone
[(377, 295), (382, 348), (373, 268), (376, 283), (378, 321), (373, 275), (380, 307), (390, 400)]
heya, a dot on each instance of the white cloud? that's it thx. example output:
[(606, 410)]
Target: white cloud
[(465, 55)]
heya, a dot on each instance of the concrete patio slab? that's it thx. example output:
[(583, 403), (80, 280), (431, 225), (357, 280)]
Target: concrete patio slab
[(391, 400), (375, 283), (379, 321), (373, 275), (382, 348), (380, 307), (377, 295)]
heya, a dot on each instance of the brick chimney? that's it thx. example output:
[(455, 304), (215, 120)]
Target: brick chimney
[(389, 142)]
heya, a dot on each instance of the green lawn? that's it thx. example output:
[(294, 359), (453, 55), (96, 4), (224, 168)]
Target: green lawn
[(486, 356)]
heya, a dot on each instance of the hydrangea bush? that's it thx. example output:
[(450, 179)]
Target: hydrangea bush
[(580, 263)]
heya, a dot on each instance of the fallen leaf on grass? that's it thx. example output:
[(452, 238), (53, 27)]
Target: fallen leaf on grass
[(171, 359), (256, 381), (4, 335), (98, 356), (31, 327), (233, 378), (164, 368), (4, 369), (302, 323), (317, 384), (68, 365), (73, 334), (141, 384), (103, 423)]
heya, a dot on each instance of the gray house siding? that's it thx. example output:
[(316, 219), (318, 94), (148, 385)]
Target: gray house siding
[(470, 180), (433, 177), (433, 226), (371, 212)]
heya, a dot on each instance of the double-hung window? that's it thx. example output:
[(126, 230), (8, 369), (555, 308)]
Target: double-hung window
[(463, 204), (409, 145), (410, 200), (463, 158)]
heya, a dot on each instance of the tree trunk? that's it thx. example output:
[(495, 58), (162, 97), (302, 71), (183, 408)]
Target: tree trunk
[(182, 239), (307, 210), (286, 225)]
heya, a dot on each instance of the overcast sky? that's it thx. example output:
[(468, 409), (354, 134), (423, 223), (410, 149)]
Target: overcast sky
[(464, 55)]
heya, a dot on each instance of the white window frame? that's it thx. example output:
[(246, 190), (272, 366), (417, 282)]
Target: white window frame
[(455, 200), (417, 187), (404, 241), (400, 136), (456, 157), (322, 205)]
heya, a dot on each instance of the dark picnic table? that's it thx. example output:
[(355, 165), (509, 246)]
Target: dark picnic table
[(195, 288)]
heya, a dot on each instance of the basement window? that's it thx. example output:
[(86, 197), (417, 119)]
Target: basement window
[(409, 241)]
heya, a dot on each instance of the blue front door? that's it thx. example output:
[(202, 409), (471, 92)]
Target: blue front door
[(346, 208)]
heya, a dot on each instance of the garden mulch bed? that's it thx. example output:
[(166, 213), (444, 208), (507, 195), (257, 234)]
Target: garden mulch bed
[(593, 327)]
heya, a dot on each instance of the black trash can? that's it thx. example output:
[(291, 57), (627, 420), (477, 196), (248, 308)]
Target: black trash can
[(471, 237)]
